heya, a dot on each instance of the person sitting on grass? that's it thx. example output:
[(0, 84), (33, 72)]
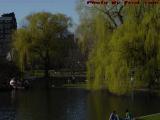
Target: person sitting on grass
[(128, 115), (114, 116)]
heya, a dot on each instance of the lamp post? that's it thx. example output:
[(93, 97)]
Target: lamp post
[(132, 84)]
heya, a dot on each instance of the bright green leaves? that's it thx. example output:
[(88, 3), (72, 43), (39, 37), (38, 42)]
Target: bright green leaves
[(42, 38), (131, 50)]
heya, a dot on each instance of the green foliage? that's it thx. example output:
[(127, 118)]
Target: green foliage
[(42, 38), (22, 47), (86, 29), (8, 70), (97, 59), (132, 49)]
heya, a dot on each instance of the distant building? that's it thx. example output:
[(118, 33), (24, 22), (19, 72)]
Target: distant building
[(7, 25)]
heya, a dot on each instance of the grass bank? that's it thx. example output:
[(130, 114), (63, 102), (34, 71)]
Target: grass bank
[(150, 117)]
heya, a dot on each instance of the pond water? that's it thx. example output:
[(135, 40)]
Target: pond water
[(72, 104)]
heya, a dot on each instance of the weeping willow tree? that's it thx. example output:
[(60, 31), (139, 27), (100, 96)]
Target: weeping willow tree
[(129, 51), (42, 38), (135, 47), (21, 43), (97, 58), (86, 29)]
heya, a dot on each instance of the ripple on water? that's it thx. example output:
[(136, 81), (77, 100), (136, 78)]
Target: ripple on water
[(7, 114)]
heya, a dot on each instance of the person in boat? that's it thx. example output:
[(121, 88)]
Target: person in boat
[(128, 115), (13, 83), (26, 84), (114, 116)]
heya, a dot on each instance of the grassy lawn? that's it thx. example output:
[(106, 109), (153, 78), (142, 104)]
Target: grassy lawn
[(150, 117)]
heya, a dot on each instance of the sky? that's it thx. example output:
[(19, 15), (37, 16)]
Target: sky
[(23, 8)]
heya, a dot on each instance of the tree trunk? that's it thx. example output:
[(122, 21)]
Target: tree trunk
[(47, 67)]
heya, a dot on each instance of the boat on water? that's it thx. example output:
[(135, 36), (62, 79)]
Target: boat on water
[(15, 85)]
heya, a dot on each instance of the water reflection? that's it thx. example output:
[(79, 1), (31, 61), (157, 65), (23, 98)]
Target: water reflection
[(72, 104), (58, 104), (102, 104), (7, 108)]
